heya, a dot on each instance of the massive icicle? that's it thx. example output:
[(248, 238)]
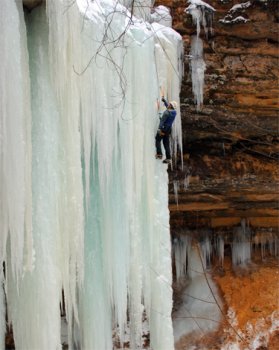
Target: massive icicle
[(202, 14), (94, 84), (197, 69)]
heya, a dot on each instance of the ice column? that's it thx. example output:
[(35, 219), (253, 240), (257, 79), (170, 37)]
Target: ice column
[(15, 140), (15, 151), (38, 294)]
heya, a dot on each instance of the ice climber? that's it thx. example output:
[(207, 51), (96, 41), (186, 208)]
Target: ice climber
[(164, 130)]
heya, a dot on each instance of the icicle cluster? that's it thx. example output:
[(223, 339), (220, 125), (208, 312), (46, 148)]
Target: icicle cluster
[(91, 189), (202, 14), (267, 242), (181, 250)]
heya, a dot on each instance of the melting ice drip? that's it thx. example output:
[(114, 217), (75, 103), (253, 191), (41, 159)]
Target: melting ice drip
[(97, 199), (202, 14)]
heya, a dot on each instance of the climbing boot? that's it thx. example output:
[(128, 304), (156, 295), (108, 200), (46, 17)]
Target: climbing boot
[(167, 161), (158, 156)]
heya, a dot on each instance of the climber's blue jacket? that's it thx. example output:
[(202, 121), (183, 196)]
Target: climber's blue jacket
[(167, 118)]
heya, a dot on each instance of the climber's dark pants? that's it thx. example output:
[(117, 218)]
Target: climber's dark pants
[(166, 143)]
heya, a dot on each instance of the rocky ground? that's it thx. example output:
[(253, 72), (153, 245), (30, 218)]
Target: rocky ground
[(251, 298)]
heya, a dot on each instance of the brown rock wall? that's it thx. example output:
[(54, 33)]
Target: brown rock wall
[(231, 147)]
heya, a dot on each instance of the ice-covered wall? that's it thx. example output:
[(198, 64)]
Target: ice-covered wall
[(98, 198)]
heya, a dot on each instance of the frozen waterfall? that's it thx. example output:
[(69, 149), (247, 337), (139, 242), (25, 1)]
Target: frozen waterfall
[(84, 204)]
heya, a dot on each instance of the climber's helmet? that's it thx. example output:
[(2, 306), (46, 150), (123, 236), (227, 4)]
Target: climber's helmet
[(173, 104)]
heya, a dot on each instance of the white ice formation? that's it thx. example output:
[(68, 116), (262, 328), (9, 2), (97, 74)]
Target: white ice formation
[(84, 206)]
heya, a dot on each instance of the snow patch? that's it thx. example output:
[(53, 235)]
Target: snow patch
[(230, 19), (238, 19), (255, 336), (239, 7)]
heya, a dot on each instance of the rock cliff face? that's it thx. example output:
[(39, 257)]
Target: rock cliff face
[(231, 146)]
